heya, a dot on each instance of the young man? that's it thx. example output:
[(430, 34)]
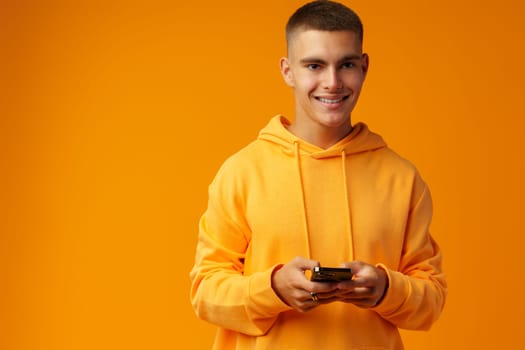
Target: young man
[(318, 190)]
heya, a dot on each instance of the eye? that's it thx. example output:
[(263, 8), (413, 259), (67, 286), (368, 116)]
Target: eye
[(313, 66), (348, 65)]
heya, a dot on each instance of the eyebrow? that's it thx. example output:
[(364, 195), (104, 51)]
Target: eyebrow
[(320, 61)]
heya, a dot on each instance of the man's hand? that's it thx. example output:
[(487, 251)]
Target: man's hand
[(293, 287), (367, 287)]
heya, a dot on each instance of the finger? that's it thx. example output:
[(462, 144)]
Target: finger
[(329, 295), (314, 297), (307, 302), (356, 265), (305, 264), (322, 287), (317, 298)]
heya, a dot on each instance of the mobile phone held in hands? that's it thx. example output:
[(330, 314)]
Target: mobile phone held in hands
[(331, 274)]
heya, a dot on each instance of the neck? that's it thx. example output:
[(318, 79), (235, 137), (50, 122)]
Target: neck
[(323, 137)]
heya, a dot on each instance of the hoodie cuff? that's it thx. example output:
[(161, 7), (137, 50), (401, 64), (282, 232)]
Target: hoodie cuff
[(394, 295), (262, 295)]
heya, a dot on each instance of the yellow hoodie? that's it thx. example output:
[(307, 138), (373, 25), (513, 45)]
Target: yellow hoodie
[(281, 197)]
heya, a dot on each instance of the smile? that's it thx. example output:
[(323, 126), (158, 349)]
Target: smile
[(331, 100)]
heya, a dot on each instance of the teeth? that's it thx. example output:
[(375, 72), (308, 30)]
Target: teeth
[(327, 100)]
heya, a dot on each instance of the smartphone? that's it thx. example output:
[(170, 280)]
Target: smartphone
[(331, 274)]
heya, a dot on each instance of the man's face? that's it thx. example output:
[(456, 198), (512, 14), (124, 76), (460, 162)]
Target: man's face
[(326, 69)]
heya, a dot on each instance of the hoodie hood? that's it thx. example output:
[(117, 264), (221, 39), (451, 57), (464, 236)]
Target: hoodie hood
[(360, 139)]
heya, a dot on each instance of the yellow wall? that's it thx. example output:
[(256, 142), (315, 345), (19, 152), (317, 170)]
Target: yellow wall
[(116, 116)]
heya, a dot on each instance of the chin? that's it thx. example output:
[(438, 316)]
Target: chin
[(334, 121)]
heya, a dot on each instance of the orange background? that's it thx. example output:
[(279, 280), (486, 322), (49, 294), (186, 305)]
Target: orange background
[(116, 115)]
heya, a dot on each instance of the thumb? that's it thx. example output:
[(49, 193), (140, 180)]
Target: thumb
[(305, 264)]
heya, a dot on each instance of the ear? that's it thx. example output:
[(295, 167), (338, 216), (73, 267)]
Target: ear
[(287, 72), (366, 63)]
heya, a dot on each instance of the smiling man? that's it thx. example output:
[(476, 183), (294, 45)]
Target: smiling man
[(314, 191)]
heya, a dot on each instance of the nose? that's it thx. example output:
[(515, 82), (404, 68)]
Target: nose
[(331, 80)]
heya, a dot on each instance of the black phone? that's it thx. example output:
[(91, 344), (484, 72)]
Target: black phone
[(331, 274)]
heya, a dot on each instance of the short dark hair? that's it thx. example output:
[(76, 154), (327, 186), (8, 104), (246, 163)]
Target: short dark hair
[(324, 15)]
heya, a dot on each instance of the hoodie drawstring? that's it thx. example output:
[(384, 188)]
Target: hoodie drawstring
[(303, 200), (348, 212)]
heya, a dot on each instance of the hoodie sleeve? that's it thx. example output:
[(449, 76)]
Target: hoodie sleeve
[(220, 292), (417, 289)]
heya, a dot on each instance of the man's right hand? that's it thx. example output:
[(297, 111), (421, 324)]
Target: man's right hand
[(293, 287)]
